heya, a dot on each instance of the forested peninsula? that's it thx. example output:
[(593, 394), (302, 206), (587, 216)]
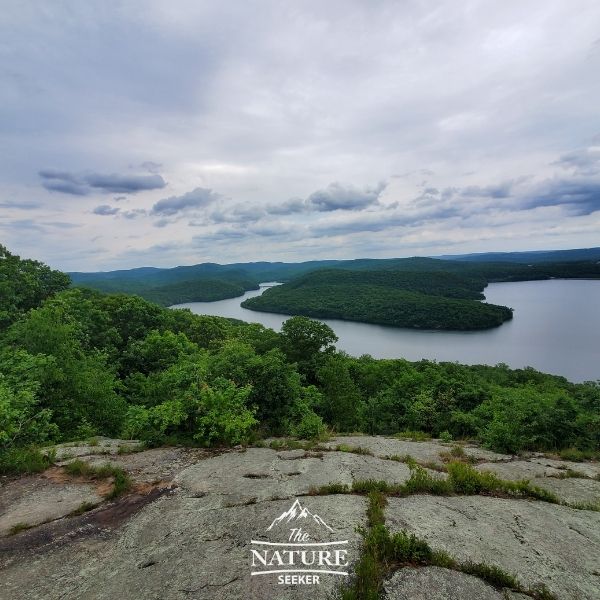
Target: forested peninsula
[(419, 292), (76, 363), (425, 300)]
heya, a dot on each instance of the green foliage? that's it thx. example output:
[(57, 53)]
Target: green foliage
[(24, 460), (491, 574), (430, 300), (222, 414), (577, 455), (25, 284), (328, 489), (304, 422), (75, 363), (422, 482), (342, 401), (22, 421), (446, 436), (121, 481), (353, 449)]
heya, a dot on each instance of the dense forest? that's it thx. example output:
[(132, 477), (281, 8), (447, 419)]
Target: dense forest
[(76, 363), (425, 300), (209, 281)]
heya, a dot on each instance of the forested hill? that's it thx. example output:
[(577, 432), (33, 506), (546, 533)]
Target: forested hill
[(210, 281), (419, 299), (578, 254)]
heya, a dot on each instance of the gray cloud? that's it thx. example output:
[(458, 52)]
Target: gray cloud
[(80, 185), (106, 210), (335, 196), (133, 213), (151, 166), (340, 197), (585, 161), (580, 197), (501, 190), (289, 207), (238, 214), (20, 205), (197, 198), (129, 184)]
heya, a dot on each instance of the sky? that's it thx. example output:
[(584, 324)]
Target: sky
[(161, 133)]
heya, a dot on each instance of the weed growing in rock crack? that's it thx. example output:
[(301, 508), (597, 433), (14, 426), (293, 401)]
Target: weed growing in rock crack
[(570, 474), (289, 444), (457, 453), (490, 574), (422, 482), (353, 449), (121, 481), (331, 488), (462, 480), (129, 449), (594, 506), (384, 552), (83, 508), (367, 486), (18, 527), (377, 504)]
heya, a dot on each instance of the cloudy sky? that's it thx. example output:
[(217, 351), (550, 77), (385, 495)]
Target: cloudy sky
[(178, 132)]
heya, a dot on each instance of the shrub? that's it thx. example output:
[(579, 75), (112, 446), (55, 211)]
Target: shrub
[(491, 574), (446, 436), (421, 481), (15, 461), (121, 481)]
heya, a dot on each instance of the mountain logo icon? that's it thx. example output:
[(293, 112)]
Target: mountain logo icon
[(295, 513)]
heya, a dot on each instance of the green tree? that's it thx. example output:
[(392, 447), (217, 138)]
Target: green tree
[(342, 406), (25, 284), (304, 341)]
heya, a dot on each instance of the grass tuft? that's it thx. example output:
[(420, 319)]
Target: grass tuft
[(18, 527), (121, 481), (491, 574), (83, 508), (353, 449), (576, 455), (331, 488)]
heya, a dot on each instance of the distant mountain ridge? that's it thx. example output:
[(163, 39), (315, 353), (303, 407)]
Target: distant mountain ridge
[(206, 282), (531, 256), (261, 268)]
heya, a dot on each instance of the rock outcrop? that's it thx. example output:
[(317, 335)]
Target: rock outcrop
[(188, 527)]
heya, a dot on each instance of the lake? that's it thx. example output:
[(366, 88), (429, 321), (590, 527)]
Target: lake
[(555, 329)]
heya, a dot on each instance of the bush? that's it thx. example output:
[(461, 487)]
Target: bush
[(446, 436), (15, 461), (121, 481), (421, 481)]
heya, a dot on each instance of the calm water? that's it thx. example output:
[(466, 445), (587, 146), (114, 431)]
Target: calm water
[(555, 329)]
